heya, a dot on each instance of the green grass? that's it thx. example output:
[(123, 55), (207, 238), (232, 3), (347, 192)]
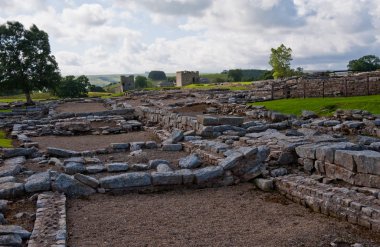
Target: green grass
[(21, 97), (4, 141), (7, 110), (324, 106)]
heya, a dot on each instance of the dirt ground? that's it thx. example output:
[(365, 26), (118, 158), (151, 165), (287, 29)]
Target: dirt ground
[(192, 110), (76, 107), (228, 216), (92, 142), (22, 213)]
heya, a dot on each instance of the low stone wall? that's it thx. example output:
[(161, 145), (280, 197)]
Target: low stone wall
[(356, 205), (50, 224)]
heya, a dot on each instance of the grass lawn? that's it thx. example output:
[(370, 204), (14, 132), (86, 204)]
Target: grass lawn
[(324, 106), (21, 97), (104, 95), (4, 141)]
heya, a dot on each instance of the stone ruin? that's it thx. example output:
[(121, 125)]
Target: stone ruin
[(184, 78), (330, 165)]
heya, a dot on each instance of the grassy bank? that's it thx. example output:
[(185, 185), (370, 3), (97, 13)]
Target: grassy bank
[(4, 141), (324, 106)]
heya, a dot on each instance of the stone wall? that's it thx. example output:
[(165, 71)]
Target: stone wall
[(184, 78), (353, 85)]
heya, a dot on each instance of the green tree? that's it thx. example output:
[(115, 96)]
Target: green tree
[(235, 74), (141, 82), (94, 88), (156, 75), (25, 60), (71, 87), (280, 61), (365, 63)]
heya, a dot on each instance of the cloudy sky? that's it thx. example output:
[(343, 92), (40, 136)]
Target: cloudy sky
[(133, 36)]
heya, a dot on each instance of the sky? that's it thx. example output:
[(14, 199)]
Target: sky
[(135, 36)]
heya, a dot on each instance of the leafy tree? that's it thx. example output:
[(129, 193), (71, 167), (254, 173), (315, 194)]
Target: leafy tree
[(365, 63), (280, 61), (94, 88), (71, 87), (141, 82), (25, 60), (267, 75), (157, 75), (235, 74)]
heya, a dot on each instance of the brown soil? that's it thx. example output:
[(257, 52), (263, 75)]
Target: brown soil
[(92, 142), (76, 107), (192, 110), (22, 206), (229, 216), (148, 154), (99, 124)]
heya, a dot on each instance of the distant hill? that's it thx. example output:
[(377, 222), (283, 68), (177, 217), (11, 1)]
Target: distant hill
[(103, 80)]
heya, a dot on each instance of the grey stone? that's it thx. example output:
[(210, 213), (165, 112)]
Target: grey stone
[(74, 167), (187, 176), (375, 146), (308, 114), (331, 123), (55, 161), (95, 169), (13, 229), (72, 187), (279, 172), (123, 146), (248, 152), (10, 170), (87, 180), (327, 153), (117, 167), (74, 159), (10, 240), (164, 168), (278, 117), (344, 158), (192, 138), (14, 152), (3, 205), (38, 182), (190, 162), (264, 184), (207, 174), (59, 152), (308, 165), (11, 190), (136, 146), (262, 153), (367, 161), (258, 128), (293, 132), (3, 221), (15, 161), (231, 161), (140, 167), (150, 144), (176, 136), (367, 140), (166, 178), (308, 150), (126, 180), (353, 124), (154, 163), (7, 179), (377, 122), (207, 120), (171, 147)]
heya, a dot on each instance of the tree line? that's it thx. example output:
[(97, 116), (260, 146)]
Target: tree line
[(27, 65)]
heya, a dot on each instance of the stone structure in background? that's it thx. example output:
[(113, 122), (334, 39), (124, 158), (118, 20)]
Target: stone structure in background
[(184, 78), (127, 82)]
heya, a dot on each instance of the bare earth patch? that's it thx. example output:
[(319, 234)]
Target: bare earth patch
[(228, 216), (76, 107), (92, 142)]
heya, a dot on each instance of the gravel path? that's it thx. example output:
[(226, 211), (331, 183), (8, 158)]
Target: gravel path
[(229, 216), (91, 142), (76, 107)]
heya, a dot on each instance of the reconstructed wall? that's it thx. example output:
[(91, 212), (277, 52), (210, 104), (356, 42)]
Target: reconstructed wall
[(127, 82), (353, 85)]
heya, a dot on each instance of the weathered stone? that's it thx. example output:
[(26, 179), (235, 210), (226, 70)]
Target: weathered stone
[(117, 167), (308, 150), (150, 144), (74, 167), (375, 146), (230, 120), (126, 180), (72, 187), (279, 172), (11, 190), (308, 114), (77, 126), (15, 161), (344, 158), (95, 169), (10, 240), (264, 184), (136, 146), (187, 176), (338, 172), (367, 140), (59, 152), (154, 163), (377, 122), (278, 117), (331, 123), (87, 180), (308, 165), (166, 178), (367, 162), (13, 229), (207, 174), (14, 152), (248, 152), (164, 168), (190, 162), (353, 124), (171, 147), (327, 153), (207, 120), (176, 136), (7, 179), (38, 182), (123, 146), (9, 170), (74, 159), (231, 161), (140, 167)]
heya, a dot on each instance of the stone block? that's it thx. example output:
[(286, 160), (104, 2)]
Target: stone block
[(123, 146), (234, 121), (164, 168), (207, 120), (190, 162), (344, 158), (74, 167), (38, 182), (207, 174), (95, 169), (367, 162), (87, 180), (264, 184), (11, 190), (126, 180), (187, 176), (154, 163), (172, 147), (166, 178), (72, 187), (60, 152), (231, 161), (117, 167), (14, 229)]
